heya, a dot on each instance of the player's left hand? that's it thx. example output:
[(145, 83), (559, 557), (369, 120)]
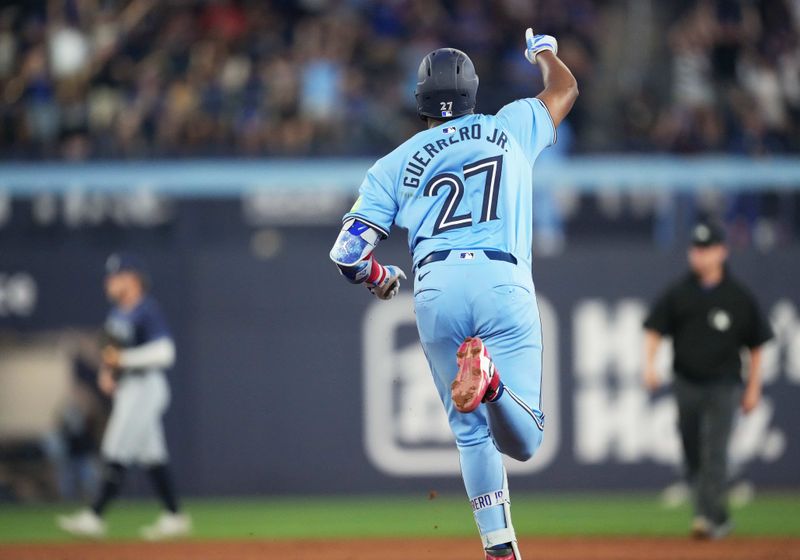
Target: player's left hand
[(534, 44), (751, 398), (390, 285), (111, 357)]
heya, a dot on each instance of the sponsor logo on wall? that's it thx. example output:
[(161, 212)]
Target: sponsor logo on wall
[(616, 421)]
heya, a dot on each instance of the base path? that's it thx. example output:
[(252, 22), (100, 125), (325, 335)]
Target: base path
[(414, 549)]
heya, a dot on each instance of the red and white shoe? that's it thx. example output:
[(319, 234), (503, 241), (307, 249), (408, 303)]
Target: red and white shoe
[(477, 380)]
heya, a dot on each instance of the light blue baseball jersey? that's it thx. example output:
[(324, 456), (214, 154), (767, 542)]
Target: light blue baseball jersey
[(465, 184)]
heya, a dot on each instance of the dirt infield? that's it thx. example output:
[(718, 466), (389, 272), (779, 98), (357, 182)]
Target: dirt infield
[(411, 549)]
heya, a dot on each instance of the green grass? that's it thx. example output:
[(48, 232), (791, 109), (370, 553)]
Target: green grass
[(445, 516)]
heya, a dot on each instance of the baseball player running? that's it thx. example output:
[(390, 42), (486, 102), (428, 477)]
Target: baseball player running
[(463, 190), (140, 349)]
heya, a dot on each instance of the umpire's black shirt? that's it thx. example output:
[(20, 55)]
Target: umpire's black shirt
[(709, 326)]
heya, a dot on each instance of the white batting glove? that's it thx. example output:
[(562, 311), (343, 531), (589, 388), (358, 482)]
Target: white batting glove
[(388, 286), (537, 43)]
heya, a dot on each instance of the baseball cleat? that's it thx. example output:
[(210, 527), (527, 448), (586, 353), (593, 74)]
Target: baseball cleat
[(84, 523), (701, 528), (168, 526), (477, 379), (721, 530), (500, 553)]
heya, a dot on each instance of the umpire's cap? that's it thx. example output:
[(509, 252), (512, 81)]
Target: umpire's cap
[(707, 233), (127, 262), (447, 85)]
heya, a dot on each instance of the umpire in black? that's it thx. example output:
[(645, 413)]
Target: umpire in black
[(711, 317)]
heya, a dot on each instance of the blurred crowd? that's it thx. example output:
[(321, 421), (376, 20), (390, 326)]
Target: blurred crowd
[(142, 78), (132, 78), (733, 81)]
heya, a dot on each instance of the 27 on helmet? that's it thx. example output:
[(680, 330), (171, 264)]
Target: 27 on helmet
[(446, 85)]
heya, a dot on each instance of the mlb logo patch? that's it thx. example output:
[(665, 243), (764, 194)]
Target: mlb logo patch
[(449, 130), (467, 256), (447, 113)]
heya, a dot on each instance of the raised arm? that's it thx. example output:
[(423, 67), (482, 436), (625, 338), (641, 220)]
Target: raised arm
[(560, 87)]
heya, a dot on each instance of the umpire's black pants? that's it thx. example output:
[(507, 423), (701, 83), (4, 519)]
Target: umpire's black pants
[(705, 419)]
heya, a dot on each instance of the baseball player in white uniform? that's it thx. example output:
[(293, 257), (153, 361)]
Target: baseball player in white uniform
[(139, 350)]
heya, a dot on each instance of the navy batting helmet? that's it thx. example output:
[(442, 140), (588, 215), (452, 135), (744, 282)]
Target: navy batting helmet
[(446, 85)]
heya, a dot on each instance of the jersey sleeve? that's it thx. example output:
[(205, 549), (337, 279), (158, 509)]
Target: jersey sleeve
[(530, 123), (151, 324), (759, 330), (376, 205), (660, 317)]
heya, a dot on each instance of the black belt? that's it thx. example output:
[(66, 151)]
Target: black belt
[(492, 255)]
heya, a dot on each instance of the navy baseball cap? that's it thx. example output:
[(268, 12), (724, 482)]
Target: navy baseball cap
[(125, 262), (706, 234)]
